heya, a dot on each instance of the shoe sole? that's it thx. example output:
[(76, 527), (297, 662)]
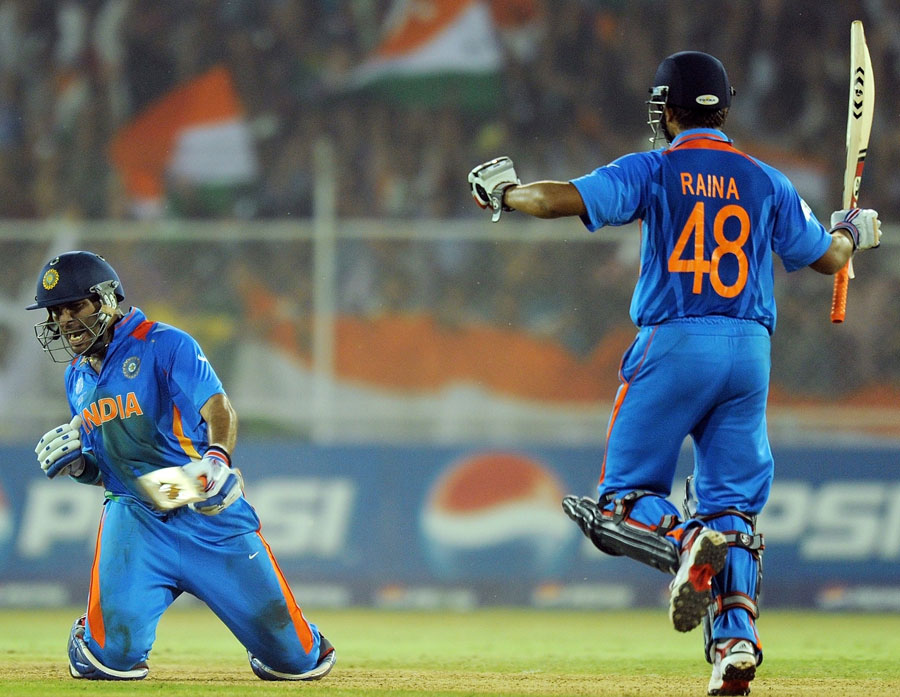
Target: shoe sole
[(689, 601), (731, 688), (323, 669), (325, 664), (740, 672), (734, 686), (736, 678)]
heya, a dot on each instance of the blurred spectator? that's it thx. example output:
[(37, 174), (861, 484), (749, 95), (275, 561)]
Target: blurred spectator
[(573, 87), (574, 82)]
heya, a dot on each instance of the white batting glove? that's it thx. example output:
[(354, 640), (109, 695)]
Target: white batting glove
[(862, 224), (59, 450), (489, 180), (221, 484)]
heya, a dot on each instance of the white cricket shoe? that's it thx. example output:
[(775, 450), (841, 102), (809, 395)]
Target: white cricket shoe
[(690, 592), (734, 666), (325, 663)]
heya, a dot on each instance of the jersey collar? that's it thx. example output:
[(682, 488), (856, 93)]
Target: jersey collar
[(121, 329), (700, 134), (127, 324)]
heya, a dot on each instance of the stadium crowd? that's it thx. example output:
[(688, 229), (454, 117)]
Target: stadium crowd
[(573, 83)]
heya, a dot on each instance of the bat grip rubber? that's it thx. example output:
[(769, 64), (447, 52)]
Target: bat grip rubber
[(839, 295)]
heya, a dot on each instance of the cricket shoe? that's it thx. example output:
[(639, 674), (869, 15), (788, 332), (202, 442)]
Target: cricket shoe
[(324, 664), (734, 666), (690, 592), (327, 658), (84, 665)]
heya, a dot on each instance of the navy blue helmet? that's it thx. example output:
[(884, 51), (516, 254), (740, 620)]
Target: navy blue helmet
[(687, 80), (66, 279), (73, 276), (694, 80)]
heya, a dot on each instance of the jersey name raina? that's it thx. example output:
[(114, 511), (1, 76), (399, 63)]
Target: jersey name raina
[(142, 411), (711, 217)]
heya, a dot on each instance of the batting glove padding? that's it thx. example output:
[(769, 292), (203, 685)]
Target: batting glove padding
[(862, 224), (59, 450), (489, 180), (221, 484)]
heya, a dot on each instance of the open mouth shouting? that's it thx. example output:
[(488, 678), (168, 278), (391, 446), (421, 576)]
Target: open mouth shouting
[(79, 337)]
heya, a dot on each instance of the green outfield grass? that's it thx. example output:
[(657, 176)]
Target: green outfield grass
[(507, 652)]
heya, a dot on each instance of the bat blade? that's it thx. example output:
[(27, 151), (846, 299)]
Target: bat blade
[(171, 487), (860, 111)]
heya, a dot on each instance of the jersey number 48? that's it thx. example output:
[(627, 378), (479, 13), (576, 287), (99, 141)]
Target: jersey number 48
[(699, 265)]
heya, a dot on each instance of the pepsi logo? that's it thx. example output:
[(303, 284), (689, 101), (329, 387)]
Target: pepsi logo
[(494, 514)]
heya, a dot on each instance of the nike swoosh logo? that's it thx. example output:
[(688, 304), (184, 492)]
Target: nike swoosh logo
[(253, 555)]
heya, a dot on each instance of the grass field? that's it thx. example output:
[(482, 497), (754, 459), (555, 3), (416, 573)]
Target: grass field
[(506, 652)]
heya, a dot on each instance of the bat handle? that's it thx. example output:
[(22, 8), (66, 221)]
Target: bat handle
[(839, 295)]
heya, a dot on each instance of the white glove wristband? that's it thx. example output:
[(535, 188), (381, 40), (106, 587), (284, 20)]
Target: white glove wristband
[(862, 224), (488, 182)]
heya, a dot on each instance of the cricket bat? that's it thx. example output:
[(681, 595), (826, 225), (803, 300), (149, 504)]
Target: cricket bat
[(860, 111)]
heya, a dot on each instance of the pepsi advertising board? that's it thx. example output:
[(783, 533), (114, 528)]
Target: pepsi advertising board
[(459, 527)]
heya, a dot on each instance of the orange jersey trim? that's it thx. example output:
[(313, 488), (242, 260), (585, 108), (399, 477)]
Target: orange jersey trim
[(301, 626), (183, 440), (620, 398), (676, 535), (704, 142), (95, 611), (141, 331)]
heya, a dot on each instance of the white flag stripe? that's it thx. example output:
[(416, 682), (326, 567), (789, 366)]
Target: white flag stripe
[(467, 45), (215, 153)]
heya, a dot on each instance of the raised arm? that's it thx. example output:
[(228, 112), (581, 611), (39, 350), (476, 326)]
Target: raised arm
[(495, 186), (545, 199)]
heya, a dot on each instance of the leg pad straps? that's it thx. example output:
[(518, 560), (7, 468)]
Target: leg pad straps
[(612, 533)]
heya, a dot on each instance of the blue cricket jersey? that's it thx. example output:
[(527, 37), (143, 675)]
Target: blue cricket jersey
[(142, 411), (711, 217)]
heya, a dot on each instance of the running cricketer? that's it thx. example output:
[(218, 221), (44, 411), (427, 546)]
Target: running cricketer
[(711, 219), (144, 400)]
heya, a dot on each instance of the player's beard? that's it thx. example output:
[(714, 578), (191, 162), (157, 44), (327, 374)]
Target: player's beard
[(91, 340), (80, 339), (664, 127)]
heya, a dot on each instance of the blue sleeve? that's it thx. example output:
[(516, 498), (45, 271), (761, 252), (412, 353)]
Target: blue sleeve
[(69, 380), (612, 194), (189, 372), (798, 238)]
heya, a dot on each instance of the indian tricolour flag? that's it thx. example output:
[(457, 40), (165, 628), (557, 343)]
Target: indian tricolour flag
[(193, 138), (435, 52)]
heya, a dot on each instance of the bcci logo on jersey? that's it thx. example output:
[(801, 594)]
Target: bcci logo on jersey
[(131, 367)]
